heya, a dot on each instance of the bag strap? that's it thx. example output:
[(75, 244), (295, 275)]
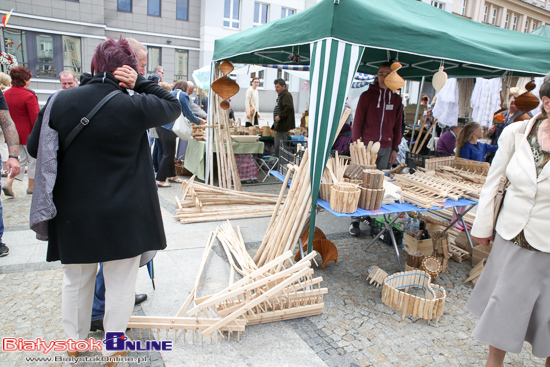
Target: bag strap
[(86, 120)]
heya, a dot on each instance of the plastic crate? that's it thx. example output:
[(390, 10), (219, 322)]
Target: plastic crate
[(288, 153), (415, 160), (377, 226)]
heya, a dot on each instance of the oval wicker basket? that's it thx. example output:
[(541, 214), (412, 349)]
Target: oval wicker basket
[(394, 294), (344, 197)]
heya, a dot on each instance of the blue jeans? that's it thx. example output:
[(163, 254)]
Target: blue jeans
[(157, 154), (98, 310)]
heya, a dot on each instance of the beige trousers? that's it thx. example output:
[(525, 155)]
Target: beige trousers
[(78, 294)]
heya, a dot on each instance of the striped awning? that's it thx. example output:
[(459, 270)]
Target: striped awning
[(333, 66)]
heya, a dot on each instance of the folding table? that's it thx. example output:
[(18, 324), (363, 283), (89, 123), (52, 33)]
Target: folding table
[(399, 208)]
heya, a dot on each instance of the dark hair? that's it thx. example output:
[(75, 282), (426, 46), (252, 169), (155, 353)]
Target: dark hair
[(385, 64), (281, 82), (20, 75), (110, 55), (255, 79), (181, 84)]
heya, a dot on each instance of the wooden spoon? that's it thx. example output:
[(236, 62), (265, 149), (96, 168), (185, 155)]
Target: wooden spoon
[(374, 152), (369, 147)]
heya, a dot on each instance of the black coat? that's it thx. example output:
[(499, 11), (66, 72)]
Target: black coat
[(105, 192)]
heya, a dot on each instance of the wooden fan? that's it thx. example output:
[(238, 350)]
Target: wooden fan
[(325, 248), (226, 67), (225, 87)]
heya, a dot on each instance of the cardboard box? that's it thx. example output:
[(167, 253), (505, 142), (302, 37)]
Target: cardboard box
[(461, 241), (413, 245), (480, 252)]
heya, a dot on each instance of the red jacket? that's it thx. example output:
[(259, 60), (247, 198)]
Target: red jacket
[(378, 117), (23, 106)]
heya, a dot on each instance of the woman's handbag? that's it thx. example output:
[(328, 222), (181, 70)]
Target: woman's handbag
[(182, 126), (499, 198)]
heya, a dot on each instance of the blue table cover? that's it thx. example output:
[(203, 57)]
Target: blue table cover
[(386, 208)]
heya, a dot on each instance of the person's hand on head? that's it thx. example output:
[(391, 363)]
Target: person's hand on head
[(126, 76)]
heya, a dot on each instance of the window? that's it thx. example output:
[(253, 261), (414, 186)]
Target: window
[(15, 44), (515, 23), (71, 54), (45, 64), (182, 9), (535, 26), (260, 14), (260, 75), (153, 58), (485, 13), (526, 29), (124, 5), (507, 22), (180, 69), (283, 75), (494, 19), (286, 12), (231, 13), (438, 4), (153, 8), (45, 55), (462, 7)]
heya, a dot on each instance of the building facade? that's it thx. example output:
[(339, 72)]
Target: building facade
[(224, 18), (61, 35), (517, 15)]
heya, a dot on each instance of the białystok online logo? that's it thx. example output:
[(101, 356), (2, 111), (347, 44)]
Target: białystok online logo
[(114, 342)]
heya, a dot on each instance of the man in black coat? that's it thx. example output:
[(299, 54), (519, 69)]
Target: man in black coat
[(283, 114)]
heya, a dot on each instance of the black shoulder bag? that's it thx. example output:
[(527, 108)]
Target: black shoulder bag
[(86, 120)]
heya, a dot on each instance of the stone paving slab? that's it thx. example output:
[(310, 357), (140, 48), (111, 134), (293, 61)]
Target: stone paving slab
[(355, 328)]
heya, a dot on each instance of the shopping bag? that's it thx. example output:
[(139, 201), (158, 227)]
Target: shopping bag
[(182, 126)]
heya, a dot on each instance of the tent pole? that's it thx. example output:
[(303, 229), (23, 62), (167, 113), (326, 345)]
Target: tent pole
[(209, 169), (416, 113)]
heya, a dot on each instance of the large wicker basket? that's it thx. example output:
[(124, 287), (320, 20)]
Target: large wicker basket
[(344, 197)]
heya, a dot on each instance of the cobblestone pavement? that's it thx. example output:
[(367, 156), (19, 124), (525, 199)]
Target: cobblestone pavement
[(355, 328)]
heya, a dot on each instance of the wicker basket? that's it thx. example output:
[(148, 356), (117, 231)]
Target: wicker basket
[(324, 191), (394, 294), (371, 199), (344, 197)]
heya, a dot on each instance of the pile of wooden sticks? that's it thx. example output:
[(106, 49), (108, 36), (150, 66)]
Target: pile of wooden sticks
[(204, 203)]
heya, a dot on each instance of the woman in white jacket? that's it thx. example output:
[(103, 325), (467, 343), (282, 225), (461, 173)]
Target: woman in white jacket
[(512, 297)]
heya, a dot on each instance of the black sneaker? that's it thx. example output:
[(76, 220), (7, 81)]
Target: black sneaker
[(96, 325), (354, 229), (4, 250)]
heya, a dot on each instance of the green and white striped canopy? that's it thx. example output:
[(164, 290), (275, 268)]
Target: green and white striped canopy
[(338, 38)]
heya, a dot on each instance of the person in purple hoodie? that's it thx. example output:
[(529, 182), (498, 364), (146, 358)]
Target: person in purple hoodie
[(447, 142)]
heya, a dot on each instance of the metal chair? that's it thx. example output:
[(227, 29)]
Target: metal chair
[(265, 164)]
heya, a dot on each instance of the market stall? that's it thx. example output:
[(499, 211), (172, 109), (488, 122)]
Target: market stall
[(338, 38), (196, 154)]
